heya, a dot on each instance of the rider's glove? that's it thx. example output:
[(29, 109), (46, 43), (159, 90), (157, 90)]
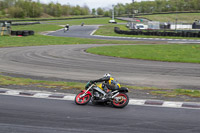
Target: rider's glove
[(92, 82)]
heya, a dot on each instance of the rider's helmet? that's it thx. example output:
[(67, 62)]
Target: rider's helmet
[(107, 75)]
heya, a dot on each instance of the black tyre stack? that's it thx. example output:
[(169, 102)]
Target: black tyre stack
[(22, 33), (158, 33)]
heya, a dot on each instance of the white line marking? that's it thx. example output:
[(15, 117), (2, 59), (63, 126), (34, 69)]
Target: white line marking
[(93, 32), (136, 102), (12, 92), (172, 104), (42, 95), (69, 98)]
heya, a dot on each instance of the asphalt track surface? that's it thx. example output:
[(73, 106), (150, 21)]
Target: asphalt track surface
[(72, 63), (35, 115), (88, 30)]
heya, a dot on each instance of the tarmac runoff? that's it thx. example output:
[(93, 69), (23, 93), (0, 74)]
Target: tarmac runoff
[(67, 96)]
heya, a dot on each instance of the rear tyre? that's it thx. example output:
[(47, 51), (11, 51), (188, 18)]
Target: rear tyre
[(120, 101), (82, 100)]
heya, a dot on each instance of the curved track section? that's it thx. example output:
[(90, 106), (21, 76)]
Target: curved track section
[(70, 62), (88, 30)]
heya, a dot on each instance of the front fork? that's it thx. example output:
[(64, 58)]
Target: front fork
[(86, 92)]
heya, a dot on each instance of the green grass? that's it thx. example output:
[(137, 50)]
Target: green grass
[(90, 21), (38, 39), (37, 27), (170, 53), (7, 80), (177, 92), (182, 17), (108, 30)]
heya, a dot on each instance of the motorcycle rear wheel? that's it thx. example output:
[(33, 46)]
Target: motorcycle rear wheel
[(82, 100), (120, 101)]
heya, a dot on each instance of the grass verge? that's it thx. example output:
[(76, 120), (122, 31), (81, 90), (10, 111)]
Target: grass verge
[(181, 17), (169, 53), (108, 30), (38, 39), (89, 21), (7, 80), (177, 92)]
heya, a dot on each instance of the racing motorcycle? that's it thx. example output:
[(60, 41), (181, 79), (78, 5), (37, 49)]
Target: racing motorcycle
[(117, 97), (66, 29)]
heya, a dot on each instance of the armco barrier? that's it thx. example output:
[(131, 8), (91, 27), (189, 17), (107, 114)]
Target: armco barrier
[(158, 33)]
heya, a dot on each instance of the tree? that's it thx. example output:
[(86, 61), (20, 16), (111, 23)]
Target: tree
[(120, 9), (16, 12), (66, 10), (107, 14), (85, 10), (100, 11), (93, 11)]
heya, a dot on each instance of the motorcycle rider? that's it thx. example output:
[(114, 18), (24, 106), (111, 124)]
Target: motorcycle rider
[(109, 83), (66, 28)]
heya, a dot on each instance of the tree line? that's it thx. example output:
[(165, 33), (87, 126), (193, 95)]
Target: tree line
[(158, 6), (33, 9)]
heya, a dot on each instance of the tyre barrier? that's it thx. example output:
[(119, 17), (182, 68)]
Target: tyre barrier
[(22, 33), (158, 33)]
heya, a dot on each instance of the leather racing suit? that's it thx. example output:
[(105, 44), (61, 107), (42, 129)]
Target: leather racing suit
[(109, 83)]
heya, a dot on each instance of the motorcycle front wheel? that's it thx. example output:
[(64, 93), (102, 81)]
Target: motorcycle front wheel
[(82, 100), (120, 101)]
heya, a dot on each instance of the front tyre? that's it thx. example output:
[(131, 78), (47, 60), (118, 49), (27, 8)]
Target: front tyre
[(120, 101), (82, 100)]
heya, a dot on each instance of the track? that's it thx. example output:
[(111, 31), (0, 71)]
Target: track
[(70, 62), (35, 115), (88, 30)]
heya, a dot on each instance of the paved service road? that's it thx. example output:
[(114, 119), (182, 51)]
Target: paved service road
[(70, 62), (34, 115), (86, 32)]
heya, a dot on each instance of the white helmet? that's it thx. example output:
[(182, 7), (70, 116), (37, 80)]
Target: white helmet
[(107, 75)]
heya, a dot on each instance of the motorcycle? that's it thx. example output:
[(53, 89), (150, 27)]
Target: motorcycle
[(117, 97), (66, 29)]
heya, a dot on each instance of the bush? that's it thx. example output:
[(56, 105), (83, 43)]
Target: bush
[(16, 12)]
